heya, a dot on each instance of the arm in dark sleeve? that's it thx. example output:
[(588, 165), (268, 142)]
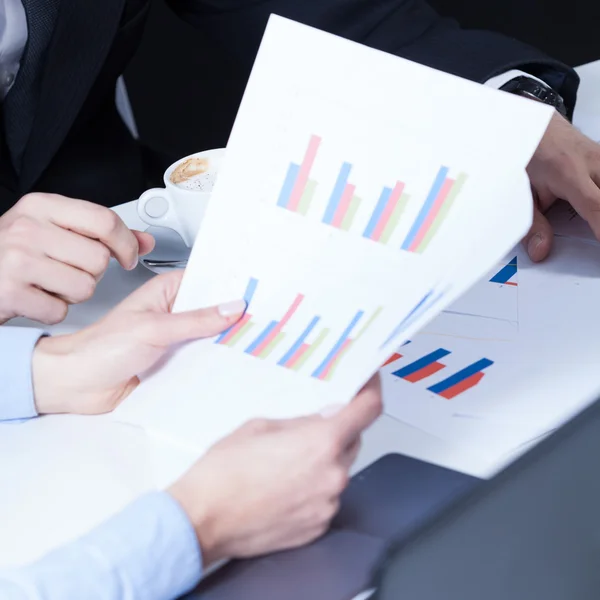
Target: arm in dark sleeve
[(407, 28)]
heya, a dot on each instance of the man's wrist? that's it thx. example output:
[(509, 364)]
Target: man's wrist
[(544, 88), (201, 518)]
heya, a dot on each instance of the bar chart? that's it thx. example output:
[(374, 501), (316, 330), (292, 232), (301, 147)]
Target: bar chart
[(343, 203), (424, 367), (507, 275), (431, 364), (462, 381), (295, 351)]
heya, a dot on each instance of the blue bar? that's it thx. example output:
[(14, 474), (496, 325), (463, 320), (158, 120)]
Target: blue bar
[(381, 204), (505, 274), (319, 370), (421, 363), (248, 295), (259, 340), (288, 185), (338, 191), (250, 290), (442, 386), (299, 342), (435, 190)]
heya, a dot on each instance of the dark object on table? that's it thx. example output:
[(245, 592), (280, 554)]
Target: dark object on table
[(531, 532)]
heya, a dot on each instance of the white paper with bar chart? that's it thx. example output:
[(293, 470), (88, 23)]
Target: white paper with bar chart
[(360, 194)]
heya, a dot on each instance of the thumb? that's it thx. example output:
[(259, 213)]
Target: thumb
[(167, 329), (538, 241), (360, 413), (145, 242)]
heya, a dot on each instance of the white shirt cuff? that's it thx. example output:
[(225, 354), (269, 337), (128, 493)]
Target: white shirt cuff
[(16, 347)]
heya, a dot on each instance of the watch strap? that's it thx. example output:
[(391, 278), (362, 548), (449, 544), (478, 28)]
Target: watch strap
[(534, 89)]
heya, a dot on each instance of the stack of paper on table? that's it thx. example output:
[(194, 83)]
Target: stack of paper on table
[(360, 195), (518, 355)]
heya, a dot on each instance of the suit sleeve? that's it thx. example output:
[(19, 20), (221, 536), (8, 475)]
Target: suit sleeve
[(407, 28)]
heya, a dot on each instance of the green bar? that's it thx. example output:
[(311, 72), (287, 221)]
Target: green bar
[(302, 360), (337, 362), (240, 334), (460, 180), (394, 219), (349, 217), (269, 349), (307, 196), (368, 323)]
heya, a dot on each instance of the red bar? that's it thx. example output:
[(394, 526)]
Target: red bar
[(393, 358), (433, 213), (343, 206), (277, 330), (334, 360), (305, 168), (510, 283), (462, 386), (387, 211), (297, 356), (236, 328), (424, 372)]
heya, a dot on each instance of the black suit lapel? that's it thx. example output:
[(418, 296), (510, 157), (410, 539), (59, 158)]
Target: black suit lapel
[(85, 30)]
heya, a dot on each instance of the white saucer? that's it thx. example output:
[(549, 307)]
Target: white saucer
[(169, 247)]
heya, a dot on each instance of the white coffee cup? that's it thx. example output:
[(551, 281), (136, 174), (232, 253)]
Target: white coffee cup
[(176, 207)]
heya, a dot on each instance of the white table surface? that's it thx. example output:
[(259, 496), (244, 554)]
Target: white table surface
[(61, 475)]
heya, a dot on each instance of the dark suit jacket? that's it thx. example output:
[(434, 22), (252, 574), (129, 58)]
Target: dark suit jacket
[(79, 146)]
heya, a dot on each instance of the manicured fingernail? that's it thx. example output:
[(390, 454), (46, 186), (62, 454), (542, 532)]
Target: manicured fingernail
[(330, 411), (229, 309), (534, 244)]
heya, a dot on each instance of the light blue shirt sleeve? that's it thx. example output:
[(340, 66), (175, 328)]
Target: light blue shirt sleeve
[(149, 551), (16, 394)]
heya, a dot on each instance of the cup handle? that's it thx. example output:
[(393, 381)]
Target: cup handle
[(169, 219)]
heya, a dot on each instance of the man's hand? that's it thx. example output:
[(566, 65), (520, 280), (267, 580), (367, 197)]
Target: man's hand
[(565, 166), (273, 485), (53, 250), (93, 370)]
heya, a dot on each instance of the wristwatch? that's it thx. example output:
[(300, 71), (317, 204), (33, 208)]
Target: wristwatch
[(536, 90)]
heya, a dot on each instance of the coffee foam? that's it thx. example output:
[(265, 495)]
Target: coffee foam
[(195, 174), (199, 183)]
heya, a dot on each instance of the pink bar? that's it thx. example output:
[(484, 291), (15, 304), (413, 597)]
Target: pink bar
[(305, 168), (343, 206), (277, 330), (433, 213), (387, 211), (297, 356), (236, 328), (334, 360)]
